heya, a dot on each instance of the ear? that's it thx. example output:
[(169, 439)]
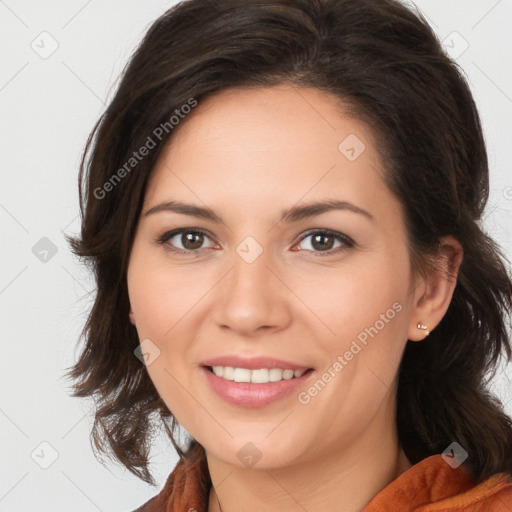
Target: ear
[(433, 293), (131, 316)]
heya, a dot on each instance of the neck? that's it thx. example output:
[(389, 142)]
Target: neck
[(351, 476)]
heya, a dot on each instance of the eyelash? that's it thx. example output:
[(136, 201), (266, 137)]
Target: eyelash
[(344, 239)]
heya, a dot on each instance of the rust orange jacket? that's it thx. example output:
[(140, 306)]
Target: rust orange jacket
[(429, 486)]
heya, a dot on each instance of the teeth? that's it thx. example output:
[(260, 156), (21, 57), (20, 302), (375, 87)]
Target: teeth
[(260, 376)]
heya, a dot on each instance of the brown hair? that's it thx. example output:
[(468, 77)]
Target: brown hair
[(384, 63)]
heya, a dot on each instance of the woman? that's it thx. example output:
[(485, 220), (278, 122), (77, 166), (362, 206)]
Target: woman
[(281, 208)]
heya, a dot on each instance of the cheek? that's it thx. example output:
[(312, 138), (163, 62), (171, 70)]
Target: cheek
[(161, 296), (381, 312), (364, 356), (352, 298), (368, 309)]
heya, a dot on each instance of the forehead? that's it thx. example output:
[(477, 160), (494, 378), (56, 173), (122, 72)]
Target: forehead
[(276, 119), (272, 145)]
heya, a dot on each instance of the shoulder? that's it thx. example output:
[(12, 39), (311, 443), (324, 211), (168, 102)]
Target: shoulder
[(433, 485), (186, 488), (159, 502)]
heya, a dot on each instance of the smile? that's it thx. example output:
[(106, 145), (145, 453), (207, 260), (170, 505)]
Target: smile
[(258, 376), (269, 385)]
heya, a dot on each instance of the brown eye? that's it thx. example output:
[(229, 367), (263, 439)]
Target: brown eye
[(184, 240), (325, 242), (192, 240), (322, 242)]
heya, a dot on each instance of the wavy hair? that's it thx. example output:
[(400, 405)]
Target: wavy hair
[(387, 67)]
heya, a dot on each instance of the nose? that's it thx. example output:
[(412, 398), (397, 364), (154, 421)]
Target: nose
[(252, 297)]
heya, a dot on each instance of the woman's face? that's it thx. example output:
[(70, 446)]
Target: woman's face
[(262, 283)]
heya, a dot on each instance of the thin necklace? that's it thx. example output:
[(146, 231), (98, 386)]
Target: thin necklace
[(220, 508)]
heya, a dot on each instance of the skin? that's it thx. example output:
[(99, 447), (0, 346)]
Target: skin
[(249, 153)]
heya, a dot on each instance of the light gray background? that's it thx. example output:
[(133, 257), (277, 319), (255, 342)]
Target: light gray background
[(49, 104)]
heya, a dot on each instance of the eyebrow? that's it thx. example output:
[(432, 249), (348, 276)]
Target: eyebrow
[(290, 215)]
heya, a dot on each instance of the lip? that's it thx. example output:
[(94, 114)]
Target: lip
[(250, 395), (253, 363)]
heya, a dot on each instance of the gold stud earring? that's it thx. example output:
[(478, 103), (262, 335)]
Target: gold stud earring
[(424, 327)]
